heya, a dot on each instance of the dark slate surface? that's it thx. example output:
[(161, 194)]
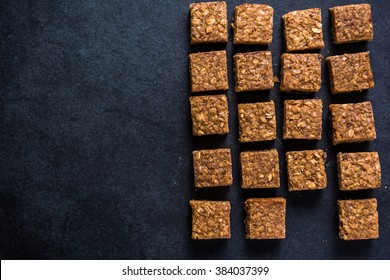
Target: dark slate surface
[(95, 137)]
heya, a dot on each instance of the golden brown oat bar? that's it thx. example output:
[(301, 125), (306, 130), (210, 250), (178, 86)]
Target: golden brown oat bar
[(359, 171), (209, 115), (208, 71), (302, 119), (306, 170), (358, 219), (301, 72), (208, 22), (253, 71), (212, 168), (260, 169), (265, 218), (350, 72), (303, 30), (351, 23), (253, 24), (257, 121), (352, 122), (210, 219)]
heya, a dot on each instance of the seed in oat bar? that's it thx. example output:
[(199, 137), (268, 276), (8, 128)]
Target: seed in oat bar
[(208, 22), (209, 115), (301, 72), (306, 170), (303, 30), (253, 24), (260, 169), (353, 122), (265, 218), (253, 71), (210, 219), (257, 122), (351, 23), (208, 71), (358, 219), (350, 72), (302, 119), (212, 168), (359, 171)]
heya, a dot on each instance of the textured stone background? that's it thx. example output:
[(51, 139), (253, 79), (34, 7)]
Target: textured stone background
[(95, 137)]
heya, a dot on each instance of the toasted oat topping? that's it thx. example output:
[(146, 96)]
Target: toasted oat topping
[(210, 219), (253, 24), (352, 122), (253, 71), (359, 171), (266, 218), (303, 30), (358, 219), (208, 71), (302, 119), (301, 72), (209, 114), (351, 23), (208, 22), (212, 168), (260, 169), (257, 121), (350, 72), (306, 170)]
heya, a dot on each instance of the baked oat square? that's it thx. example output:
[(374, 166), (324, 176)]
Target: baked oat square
[(301, 73), (253, 71), (351, 23), (358, 219), (208, 71), (359, 171), (212, 168), (257, 122), (260, 169), (350, 72), (353, 122), (253, 24), (306, 170), (210, 219), (265, 218), (302, 119), (303, 30), (208, 22), (209, 114)]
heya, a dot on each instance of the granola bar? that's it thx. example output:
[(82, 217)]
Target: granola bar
[(253, 71), (358, 219), (210, 219)]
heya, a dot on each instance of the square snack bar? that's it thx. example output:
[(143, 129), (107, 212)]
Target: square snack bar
[(302, 119), (253, 24), (210, 219), (306, 170), (212, 168), (260, 169), (359, 171), (303, 30), (358, 219), (265, 218), (257, 122), (301, 72), (351, 23), (208, 71), (209, 114), (353, 122), (253, 71), (350, 72), (208, 22)]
